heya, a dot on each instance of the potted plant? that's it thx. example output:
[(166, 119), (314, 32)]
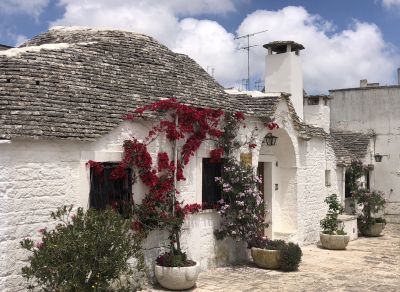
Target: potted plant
[(276, 254), (372, 203), (266, 253), (332, 235), (175, 271)]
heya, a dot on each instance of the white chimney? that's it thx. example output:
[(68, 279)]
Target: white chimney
[(363, 83), (283, 71)]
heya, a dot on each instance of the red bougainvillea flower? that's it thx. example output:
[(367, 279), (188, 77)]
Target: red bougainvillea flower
[(97, 166), (216, 155), (190, 124), (136, 226), (252, 145), (272, 125), (163, 161), (239, 116)]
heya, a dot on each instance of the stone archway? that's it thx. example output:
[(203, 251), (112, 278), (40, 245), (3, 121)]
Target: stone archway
[(280, 185)]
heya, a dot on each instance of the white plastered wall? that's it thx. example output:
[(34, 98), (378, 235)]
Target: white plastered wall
[(374, 109)]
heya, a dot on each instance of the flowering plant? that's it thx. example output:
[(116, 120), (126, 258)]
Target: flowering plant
[(241, 207)]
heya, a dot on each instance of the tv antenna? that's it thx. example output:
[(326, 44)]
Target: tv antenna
[(248, 51)]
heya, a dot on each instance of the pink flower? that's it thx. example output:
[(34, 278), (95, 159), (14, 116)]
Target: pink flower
[(40, 245), (42, 230)]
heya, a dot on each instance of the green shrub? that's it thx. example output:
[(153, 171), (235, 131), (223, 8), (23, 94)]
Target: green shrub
[(276, 244), (86, 251), (290, 257)]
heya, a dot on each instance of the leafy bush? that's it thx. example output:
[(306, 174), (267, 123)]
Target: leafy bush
[(290, 253), (87, 251), (290, 257), (330, 223), (275, 244)]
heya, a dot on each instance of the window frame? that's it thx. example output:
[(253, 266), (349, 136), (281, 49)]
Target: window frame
[(97, 188)]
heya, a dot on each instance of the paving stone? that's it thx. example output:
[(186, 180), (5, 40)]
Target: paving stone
[(368, 264)]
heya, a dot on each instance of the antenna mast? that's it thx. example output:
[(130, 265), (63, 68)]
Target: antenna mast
[(248, 52)]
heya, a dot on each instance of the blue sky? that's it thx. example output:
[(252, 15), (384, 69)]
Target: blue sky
[(345, 40)]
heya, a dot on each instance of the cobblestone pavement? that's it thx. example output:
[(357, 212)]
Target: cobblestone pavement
[(368, 264)]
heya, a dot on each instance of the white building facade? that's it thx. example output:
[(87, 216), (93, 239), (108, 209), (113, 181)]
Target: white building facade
[(66, 109), (374, 110)]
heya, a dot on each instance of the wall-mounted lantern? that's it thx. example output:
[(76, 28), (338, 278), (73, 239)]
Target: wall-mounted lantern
[(378, 157), (270, 139)]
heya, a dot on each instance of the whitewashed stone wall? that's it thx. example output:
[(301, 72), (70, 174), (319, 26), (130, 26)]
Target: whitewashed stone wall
[(374, 109), (311, 187), (317, 115), (36, 177)]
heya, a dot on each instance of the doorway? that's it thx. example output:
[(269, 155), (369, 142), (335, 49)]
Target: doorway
[(264, 171)]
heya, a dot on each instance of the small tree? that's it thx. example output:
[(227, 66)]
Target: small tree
[(372, 203), (87, 251), (330, 223)]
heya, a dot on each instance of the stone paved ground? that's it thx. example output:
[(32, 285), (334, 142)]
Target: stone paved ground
[(368, 264)]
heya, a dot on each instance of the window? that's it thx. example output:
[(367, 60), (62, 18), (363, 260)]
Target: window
[(327, 177), (367, 179), (106, 192), (211, 191), (313, 100)]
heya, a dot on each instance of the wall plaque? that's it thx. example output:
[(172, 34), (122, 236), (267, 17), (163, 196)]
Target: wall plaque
[(246, 159)]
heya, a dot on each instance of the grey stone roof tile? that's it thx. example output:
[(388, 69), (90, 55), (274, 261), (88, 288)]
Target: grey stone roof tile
[(79, 83), (349, 145)]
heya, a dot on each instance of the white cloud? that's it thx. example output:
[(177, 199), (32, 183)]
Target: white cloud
[(31, 7), (332, 58), (390, 3), (211, 46)]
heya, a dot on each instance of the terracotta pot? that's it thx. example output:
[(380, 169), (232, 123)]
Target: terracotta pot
[(333, 241), (374, 230), (266, 258), (177, 278)]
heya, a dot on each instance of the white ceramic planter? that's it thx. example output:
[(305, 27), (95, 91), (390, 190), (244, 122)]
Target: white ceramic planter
[(330, 241), (177, 278)]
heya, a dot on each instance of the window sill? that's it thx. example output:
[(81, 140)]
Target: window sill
[(207, 211)]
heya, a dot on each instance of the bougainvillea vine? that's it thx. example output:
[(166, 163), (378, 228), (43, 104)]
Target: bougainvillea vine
[(160, 209)]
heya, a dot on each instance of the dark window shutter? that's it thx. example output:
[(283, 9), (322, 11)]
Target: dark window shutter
[(211, 191), (105, 191)]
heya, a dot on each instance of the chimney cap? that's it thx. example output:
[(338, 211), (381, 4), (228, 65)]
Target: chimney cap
[(280, 46)]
